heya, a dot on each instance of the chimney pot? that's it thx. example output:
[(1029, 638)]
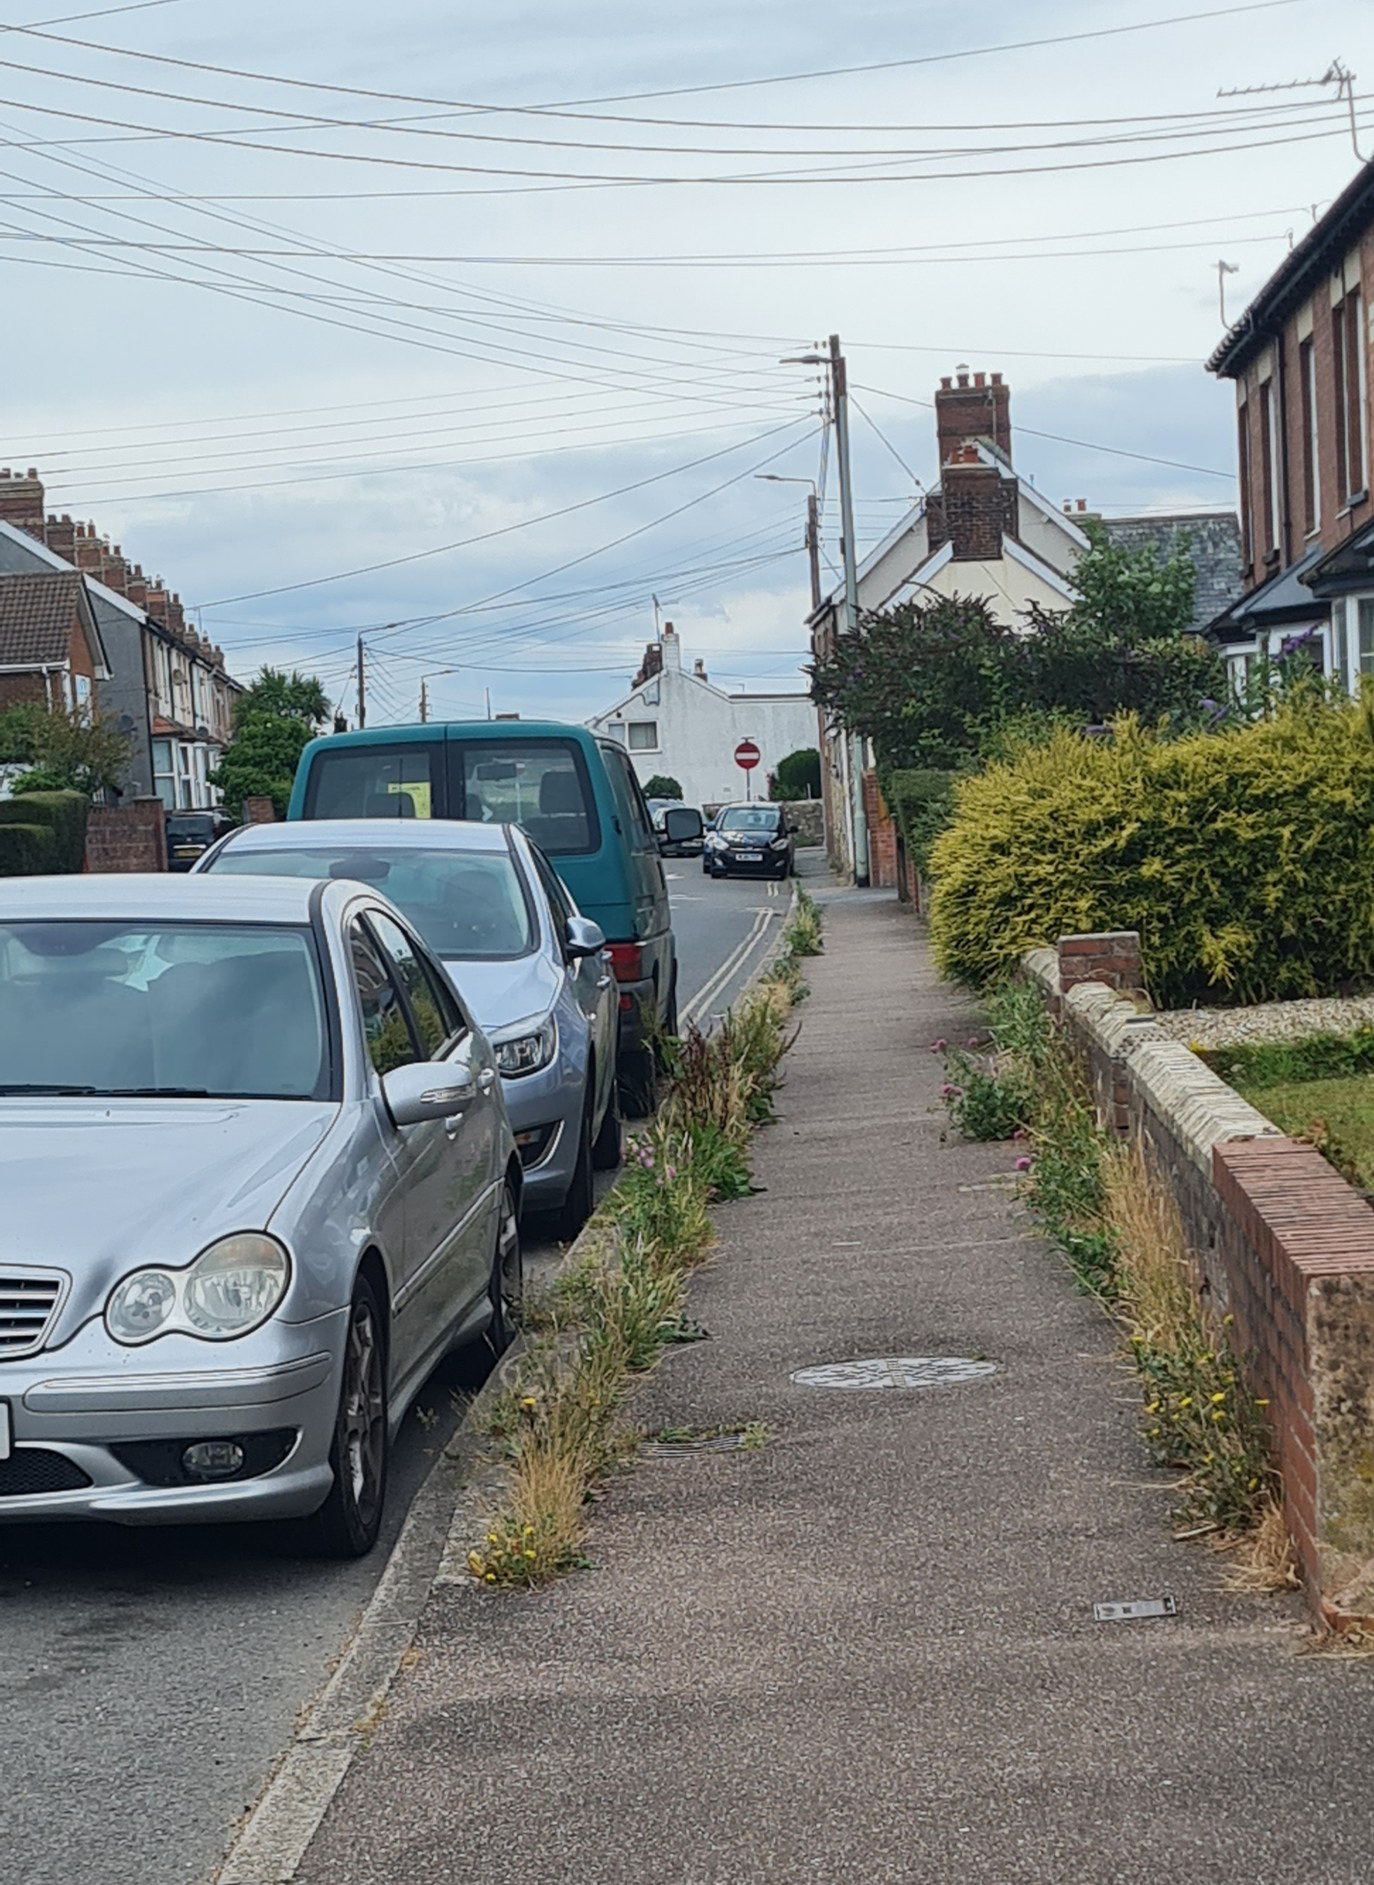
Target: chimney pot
[(946, 382), (1082, 503), (963, 379), (979, 379), (5, 473), (997, 379), (32, 471)]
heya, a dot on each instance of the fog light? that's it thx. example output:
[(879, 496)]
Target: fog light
[(213, 1459)]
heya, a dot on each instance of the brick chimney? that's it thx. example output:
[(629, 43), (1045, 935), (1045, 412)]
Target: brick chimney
[(973, 508), (157, 599), (651, 665), (60, 535), (114, 571), (21, 500), (973, 408), (136, 588), (88, 550), (176, 615)]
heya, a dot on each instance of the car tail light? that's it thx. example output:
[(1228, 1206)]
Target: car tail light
[(627, 961)]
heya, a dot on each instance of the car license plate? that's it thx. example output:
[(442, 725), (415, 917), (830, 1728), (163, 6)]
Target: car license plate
[(5, 1430), (188, 850), (750, 857)]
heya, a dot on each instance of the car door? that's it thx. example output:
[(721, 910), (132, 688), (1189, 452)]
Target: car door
[(591, 984), (653, 924), (454, 1178)]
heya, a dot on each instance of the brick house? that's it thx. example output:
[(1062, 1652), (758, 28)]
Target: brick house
[(51, 653), (164, 685), (1299, 357)]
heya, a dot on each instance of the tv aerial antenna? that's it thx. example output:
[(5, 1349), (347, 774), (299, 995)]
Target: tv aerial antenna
[(1337, 74)]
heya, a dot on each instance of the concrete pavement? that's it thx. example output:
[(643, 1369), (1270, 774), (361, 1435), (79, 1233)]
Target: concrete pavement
[(867, 1652)]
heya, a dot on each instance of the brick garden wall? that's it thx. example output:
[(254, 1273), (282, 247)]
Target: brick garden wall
[(127, 837), (1283, 1244)]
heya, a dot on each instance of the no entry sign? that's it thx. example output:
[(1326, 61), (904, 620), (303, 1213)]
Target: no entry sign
[(747, 755)]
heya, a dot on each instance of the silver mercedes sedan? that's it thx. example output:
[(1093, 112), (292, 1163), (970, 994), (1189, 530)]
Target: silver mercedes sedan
[(257, 1180), (532, 968)]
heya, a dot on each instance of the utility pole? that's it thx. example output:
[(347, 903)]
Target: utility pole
[(488, 703), (424, 701), (813, 548), (362, 686), (840, 390)]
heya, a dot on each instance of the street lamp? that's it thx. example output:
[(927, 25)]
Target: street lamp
[(813, 528)]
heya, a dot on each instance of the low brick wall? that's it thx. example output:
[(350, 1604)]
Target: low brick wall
[(259, 811), (129, 837), (1282, 1244)]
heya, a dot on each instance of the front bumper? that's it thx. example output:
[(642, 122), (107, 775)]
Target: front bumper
[(549, 1101), (731, 862), (70, 1408)]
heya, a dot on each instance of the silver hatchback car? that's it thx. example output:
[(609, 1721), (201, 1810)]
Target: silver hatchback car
[(532, 969), (258, 1179)]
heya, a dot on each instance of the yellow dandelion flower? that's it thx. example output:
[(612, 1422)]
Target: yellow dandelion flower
[(490, 1577), (1218, 1413), (1216, 1398), (1153, 1408), (1187, 1401)]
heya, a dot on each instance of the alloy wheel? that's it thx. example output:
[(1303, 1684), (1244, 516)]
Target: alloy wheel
[(364, 1434)]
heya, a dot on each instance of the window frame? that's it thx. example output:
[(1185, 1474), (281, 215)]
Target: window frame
[(1269, 468), (1350, 370), (356, 925), (1311, 438), (498, 748), (451, 1010), (1247, 534), (383, 749), (632, 727)]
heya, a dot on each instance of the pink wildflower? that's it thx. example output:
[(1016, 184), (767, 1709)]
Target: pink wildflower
[(1023, 1165), (938, 1047)]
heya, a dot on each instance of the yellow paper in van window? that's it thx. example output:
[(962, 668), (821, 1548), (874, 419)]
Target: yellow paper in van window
[(419, 792)]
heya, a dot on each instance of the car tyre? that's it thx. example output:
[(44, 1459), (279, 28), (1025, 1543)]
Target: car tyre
[(638, 1082), (472, 1363), (576, 1207), (607, 1147), (347, 1524)]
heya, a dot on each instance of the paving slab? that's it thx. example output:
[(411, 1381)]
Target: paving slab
[(867, 1651)]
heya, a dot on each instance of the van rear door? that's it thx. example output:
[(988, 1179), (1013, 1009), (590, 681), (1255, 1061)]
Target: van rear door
[(400, 776)]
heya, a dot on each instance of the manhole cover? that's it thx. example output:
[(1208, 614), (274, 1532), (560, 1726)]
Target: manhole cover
[(895, 1371)]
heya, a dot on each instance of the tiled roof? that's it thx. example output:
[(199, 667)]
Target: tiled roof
[(37, 611), (1212, 542)]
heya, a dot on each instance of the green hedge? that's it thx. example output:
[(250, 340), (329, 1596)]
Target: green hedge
[(27, 850), (921, 801), (1245, 858), (64, 814)]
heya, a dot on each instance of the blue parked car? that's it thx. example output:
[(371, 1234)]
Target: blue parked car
[(531, 969), (577, 798)]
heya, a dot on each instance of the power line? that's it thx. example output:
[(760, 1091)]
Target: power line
[(1115, 451), (883, 439), (682, 91)]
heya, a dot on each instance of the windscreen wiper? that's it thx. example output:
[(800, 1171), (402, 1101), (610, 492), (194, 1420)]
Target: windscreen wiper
[(112, 1092), (63, 1092)]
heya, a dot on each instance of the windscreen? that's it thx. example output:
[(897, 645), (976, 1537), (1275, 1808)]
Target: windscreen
[(469, 905), (229, 1011), (749, 818)]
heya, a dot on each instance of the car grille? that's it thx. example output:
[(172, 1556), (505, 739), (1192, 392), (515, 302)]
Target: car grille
[(29, 1301), (32, 1469)]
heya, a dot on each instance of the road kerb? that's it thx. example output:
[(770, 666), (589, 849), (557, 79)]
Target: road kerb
[(430, 1553)]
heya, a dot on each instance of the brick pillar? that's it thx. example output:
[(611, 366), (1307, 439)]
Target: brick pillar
[(882, 836), (259, 811), (131, 837), (1112, 957)]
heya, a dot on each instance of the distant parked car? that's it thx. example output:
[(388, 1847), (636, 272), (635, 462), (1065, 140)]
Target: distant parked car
[(668, 846), (258, 1181), (533, 970), (190, 835), (752, 839)]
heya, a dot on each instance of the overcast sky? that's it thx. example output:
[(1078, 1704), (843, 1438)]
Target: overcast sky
[(550, 340)]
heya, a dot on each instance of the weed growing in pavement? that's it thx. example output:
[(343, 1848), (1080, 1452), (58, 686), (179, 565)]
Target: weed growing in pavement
[(611, 1317)]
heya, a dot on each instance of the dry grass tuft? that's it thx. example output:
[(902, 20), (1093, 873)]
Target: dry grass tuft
[(1264, 1559)]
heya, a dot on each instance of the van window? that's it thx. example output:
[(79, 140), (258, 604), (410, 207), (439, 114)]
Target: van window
[(373, 782), (540, 785), (629, 801)]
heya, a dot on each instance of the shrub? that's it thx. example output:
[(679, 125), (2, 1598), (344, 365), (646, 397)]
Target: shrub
[(26, 850), (64, 814), (1245, 858), (662, 786), (922, 803), (798, 776)]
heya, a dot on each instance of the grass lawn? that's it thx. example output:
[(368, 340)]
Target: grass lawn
[(1337, 1115)]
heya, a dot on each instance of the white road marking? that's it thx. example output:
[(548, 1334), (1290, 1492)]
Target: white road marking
[(696, 1007)]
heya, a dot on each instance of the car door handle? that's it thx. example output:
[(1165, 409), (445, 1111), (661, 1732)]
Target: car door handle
[(486, 1080), (604, 982)]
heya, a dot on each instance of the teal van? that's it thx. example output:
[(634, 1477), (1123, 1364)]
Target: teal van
[(578, 799)]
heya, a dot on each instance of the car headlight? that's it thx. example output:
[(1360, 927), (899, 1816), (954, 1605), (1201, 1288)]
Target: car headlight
[(229, 1290), (778, 843), (527, 1051)]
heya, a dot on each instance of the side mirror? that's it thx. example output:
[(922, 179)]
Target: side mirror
[(427, 1089), (681, 824), (582, 937)]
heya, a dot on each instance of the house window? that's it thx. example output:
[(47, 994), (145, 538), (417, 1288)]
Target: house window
[(1240, 668), (1348, 352), (164, 774), (1311, 463), (1269, 464), (1340, 639), (643, 736), (1365, 617), (81, 691), (1247, 548)]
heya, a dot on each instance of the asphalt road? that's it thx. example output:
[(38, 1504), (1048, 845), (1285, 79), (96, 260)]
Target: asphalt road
[(149, 1679)]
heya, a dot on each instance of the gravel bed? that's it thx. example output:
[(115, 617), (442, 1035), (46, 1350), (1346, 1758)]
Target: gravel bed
[(1268, 1021)]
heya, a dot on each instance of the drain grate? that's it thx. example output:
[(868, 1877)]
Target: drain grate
[(684, 1449), (895, 1371)]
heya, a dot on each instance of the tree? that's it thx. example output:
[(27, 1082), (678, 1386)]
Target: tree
[(798, 776), (940, 684), (67, 749), (662, 786), (274, 719)]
